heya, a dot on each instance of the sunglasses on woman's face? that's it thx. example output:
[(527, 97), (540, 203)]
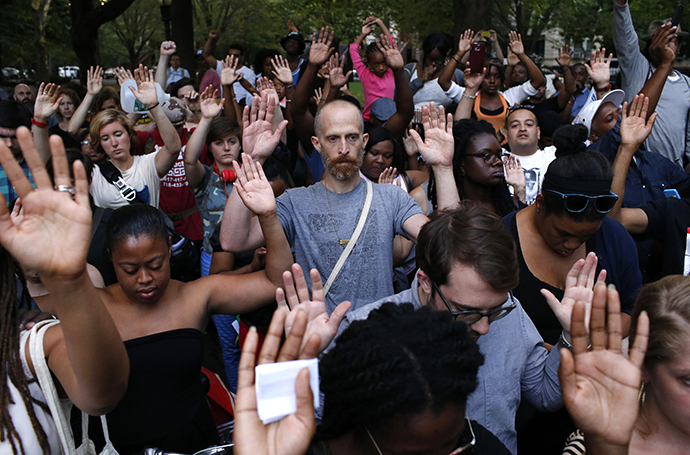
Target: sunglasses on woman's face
[(576, 203)]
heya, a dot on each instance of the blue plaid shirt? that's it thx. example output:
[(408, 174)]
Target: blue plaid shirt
[(7, 188)]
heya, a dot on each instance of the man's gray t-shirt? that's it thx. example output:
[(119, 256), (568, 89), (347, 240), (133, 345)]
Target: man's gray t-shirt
[(311, 216)]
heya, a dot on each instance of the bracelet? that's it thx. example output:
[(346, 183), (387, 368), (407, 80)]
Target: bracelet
[(605, 89), (322, 99), (154, 106), (458, 61), (465, 95), (564, 342), (288, 101), (39, 124), (288, 86)]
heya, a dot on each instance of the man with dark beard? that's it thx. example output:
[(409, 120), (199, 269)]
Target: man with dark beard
[(319, 221)]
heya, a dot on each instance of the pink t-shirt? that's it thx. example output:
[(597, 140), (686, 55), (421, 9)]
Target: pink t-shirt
[(374, 87)]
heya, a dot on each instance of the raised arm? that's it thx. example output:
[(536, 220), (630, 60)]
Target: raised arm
[(319, 52), (600, 71), (85, 352), (47, 103), (663, 46), (564, 57), (242, 232), (209, 110), (209, 46), (368, 27), (497, 45), (228, 76), (634, 131), (147, 95), (404, 103), (168, 48), (281, 70), (536, 78), (256, 193), (472, 83), (444, 80), (94, 84)]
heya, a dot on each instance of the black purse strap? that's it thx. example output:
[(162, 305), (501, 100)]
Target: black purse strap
[(114, 177)]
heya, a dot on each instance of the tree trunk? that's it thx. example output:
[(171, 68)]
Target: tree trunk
[(85, 23), (182, 18), (39, 12)]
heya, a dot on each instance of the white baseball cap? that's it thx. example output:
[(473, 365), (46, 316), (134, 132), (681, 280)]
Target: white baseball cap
[(588, 112)]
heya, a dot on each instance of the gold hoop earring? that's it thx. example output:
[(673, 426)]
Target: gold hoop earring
[(642, 394)]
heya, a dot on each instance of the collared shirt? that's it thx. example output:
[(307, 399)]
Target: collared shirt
[(516, 364), (649, 173), (7, 188)]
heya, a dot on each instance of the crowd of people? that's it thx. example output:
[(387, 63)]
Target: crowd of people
[(485, 256)]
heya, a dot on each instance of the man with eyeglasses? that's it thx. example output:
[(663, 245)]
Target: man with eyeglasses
[(523, 140), (468, 266)]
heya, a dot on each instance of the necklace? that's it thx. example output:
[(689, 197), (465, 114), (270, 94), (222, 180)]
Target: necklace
[(340, 241)]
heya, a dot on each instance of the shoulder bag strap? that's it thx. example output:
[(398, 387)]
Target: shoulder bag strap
[(353, 240), (45, 380), (114, 177)]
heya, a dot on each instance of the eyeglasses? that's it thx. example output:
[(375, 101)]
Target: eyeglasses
[(86, 142), (489, 158), (454, 452), (471, 316), (576, 203)]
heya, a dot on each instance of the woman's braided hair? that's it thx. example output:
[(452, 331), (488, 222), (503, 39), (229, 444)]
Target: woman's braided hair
[(10, 363), (396, 362)]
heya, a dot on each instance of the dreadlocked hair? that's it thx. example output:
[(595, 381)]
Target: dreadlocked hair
[(10, 364), (396, 362), (464, 132)]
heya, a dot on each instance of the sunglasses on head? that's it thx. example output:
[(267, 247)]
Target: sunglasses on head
[(576, 203)]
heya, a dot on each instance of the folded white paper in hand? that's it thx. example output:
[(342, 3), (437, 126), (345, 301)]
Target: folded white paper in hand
[(275, 388)]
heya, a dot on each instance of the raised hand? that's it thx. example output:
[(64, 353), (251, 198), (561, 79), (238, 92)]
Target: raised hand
[(514, 174), (210, 109), (94, 80), (258, 140), (321, 47), (296, 298), (318, 94), (564, 56), (634, 129), (390, 53), (473, 80), (265, 85), (599, 70), (664, 43), (168, 48), (369, 25), (47, 101), (282, 71), (515, 43), (465, 42), (213, 34), (253, 187), (292, 434), (123, 75), (146, 89), (579, 286), (511, 58), (292, 27), (388, 176), (494, 36), (337, 74), (228, 72), (437, 148), (600, 386), (52, 236), (409, 144)]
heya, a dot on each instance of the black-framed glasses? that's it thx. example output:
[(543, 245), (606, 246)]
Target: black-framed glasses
[(471, 316), (489, 158), (516, 107), (576, 203), (454, 452)]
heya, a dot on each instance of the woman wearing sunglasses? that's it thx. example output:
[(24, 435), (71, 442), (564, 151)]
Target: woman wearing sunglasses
[(567, 222)]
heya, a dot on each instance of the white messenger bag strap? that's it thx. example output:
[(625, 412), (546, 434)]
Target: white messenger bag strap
[(355, 235)]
